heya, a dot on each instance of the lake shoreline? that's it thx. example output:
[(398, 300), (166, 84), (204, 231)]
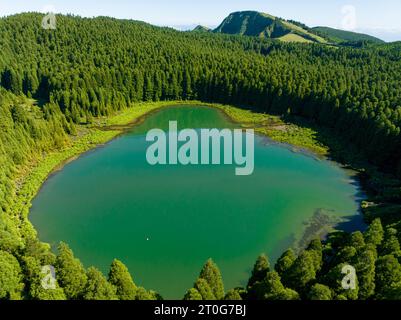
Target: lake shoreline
[(106, 130), (115, 184)]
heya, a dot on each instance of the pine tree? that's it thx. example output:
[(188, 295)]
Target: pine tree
[(345, 255), (388, 278), (285, 262), (302, 272), (391, 245), (70, 273), (10, 277), (34, 276), (365, 265), (260, 269), (357, 240), (334, 280), (320, 292), (120, 277), (142, 294), (274, 289), (97, 287), (211, 274), (204, 289), (193, 294), (233, 295), (316, 249), (374, 234)]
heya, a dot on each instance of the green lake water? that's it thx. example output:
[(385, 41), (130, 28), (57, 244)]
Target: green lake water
[(164, 222)]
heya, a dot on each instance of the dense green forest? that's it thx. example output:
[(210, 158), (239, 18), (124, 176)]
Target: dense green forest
[(54, 81)]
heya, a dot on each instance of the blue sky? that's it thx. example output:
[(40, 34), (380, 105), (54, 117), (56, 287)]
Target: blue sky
[(380, 18)]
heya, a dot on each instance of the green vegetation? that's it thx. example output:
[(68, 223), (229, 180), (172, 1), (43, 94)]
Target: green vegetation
[(97, 287), (10, 277), (292, 37), (60, 89), (266, 26), (251, 23), (301, 136), (209, 285), (340, 36), (70, 273), (305, 138), (262, 25), (304, 32), (201, 29), (122, 280)]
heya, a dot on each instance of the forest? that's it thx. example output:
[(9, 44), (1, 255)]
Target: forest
[(53, 82)]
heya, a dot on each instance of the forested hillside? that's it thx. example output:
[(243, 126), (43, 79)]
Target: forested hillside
[(263, 25), (339, 36), (98, 66), (54, 80)]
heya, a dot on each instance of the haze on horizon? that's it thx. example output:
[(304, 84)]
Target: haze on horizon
[(381, 20)]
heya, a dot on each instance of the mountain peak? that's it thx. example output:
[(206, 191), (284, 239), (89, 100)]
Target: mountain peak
[(201, 28), (264, 25)]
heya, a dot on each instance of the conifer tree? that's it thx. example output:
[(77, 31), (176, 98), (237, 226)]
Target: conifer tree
[(260, 269), (193, 294), (302, 272), (320, 292), (285, 262), (120, 277), (10, 277), (204, 289), (34, 278), (211, 274), (391, 245), (233, 295), (365, 265), (375, 233), (97, 287), (388, 278), (70, 273)]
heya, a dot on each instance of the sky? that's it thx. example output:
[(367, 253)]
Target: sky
[(379, 18)]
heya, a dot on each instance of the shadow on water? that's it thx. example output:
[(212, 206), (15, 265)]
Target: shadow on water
[(352, 223)]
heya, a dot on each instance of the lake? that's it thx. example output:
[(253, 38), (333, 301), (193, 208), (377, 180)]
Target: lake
[(164, 222)]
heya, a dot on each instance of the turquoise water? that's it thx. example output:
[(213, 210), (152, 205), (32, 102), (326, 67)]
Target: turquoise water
[(164, 222)]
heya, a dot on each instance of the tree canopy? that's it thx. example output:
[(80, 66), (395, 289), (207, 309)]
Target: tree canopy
[(54, 83)]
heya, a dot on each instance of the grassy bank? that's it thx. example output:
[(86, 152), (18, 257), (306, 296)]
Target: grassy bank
[(276, 128)]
